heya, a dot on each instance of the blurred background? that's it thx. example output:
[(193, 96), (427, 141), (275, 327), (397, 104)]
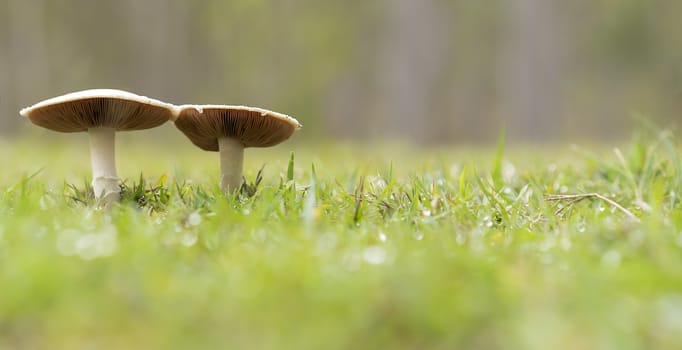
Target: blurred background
[(427, 71)]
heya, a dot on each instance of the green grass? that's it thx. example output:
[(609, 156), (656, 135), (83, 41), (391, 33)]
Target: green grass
[(339, 248)]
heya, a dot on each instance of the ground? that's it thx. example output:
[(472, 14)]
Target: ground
[(354, 246)]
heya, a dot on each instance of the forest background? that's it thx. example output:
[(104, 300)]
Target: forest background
[(428, 71)]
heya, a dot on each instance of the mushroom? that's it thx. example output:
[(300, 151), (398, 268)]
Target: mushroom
[(230, 129), (100, 112)]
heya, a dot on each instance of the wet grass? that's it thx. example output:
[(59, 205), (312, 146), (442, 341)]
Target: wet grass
[(329, 250)]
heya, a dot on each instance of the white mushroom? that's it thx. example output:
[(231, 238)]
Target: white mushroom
[(230, 129), (100, 112)]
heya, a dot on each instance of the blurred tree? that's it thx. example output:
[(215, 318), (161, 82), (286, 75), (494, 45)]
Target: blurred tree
[(469, 92), (159, 50), (532, 71), (24, 66), (431, 70), (411, 60)]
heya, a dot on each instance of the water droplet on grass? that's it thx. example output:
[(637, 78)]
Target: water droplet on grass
[(89, 246), (46, 202), (565, 243), (40, 232), (580, 226), (66, 242), (260, 235), (326, 242), (669, 313), (351, 262), (546, 245), (188, 239), (508, 172), (89, 223), (194, 219), (546, 259), (611, 258), (382, 237), (378, 182), (86, 246), (374, 255), (636, 238)]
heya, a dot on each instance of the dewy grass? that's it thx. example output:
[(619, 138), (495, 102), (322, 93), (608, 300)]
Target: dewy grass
[(333, 252)]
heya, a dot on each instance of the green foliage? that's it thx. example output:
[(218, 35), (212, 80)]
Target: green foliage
[(440, 256)]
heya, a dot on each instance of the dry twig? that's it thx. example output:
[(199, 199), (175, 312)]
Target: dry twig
[(575, 198)]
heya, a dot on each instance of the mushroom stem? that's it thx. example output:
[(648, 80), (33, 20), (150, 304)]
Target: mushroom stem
[(231, 163), (105, 181)]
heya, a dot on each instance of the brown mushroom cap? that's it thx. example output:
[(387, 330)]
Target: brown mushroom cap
[(117, 109), (253, 127)]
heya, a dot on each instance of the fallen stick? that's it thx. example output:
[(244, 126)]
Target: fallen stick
[(575, 198)]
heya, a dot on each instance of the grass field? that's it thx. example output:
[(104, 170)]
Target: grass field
[(344, 247)]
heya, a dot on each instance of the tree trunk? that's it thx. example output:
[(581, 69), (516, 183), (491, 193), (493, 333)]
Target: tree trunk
[(24, 64), (532, 72), (410, 66)]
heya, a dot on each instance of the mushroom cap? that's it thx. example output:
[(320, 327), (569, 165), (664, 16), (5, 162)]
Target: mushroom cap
[(253, 127), (117, 109)]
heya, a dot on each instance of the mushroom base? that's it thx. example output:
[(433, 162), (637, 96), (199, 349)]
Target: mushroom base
[(231, 164)]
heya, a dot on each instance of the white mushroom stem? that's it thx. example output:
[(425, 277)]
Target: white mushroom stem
[(105, 181), (231, 164)]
